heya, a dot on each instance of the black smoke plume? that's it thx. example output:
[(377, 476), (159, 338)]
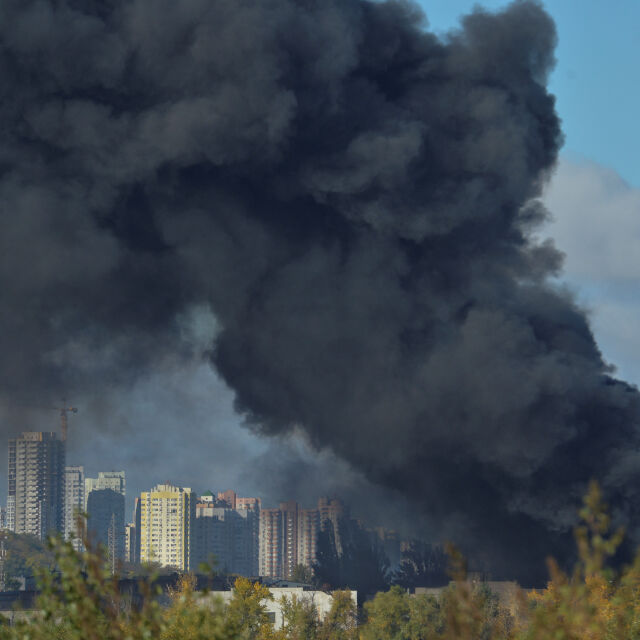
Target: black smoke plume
[(354, 199)]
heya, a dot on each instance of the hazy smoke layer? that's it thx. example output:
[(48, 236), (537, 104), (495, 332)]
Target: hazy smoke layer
[(353, 198)]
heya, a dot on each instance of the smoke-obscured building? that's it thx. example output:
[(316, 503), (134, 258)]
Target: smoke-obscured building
[(391, 544), (226, 533), (35, 501), (74, 504), (166, 519), (105, 521), (330, 512)]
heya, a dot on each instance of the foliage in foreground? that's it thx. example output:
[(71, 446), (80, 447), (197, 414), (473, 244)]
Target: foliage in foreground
[(24, 553), (81, 601), (592, 603)]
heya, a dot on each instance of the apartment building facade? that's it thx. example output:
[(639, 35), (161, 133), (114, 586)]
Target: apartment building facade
[(288, 538), (288, 535), (227, 536), (74, 504), (35, 501), (167, 514)]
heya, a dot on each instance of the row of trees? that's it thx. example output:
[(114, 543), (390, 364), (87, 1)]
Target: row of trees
[(359, 562)]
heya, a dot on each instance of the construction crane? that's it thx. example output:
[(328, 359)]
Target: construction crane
[(64, 409)]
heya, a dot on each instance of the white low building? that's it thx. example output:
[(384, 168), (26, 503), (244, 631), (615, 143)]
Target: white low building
[(321, 599)]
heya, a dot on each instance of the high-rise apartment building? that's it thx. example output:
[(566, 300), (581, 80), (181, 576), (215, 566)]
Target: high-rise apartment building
[(249, 508), (166, 519), (271, 542), (105, 521), (73, 504), (227, 535), (35, 502), (114, 480), (308, 526), (288, 535)]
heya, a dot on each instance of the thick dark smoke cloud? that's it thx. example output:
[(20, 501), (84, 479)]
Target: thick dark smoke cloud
[(353, 198)]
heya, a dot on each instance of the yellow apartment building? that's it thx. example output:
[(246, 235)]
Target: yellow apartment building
[(167, 514)]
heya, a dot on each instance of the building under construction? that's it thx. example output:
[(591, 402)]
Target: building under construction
[(36, 479)]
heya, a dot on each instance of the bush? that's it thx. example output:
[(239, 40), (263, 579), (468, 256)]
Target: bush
[(593, 603), (81, 600)]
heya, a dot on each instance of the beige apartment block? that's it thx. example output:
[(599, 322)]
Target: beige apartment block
[(167, 514), (287, 537)]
